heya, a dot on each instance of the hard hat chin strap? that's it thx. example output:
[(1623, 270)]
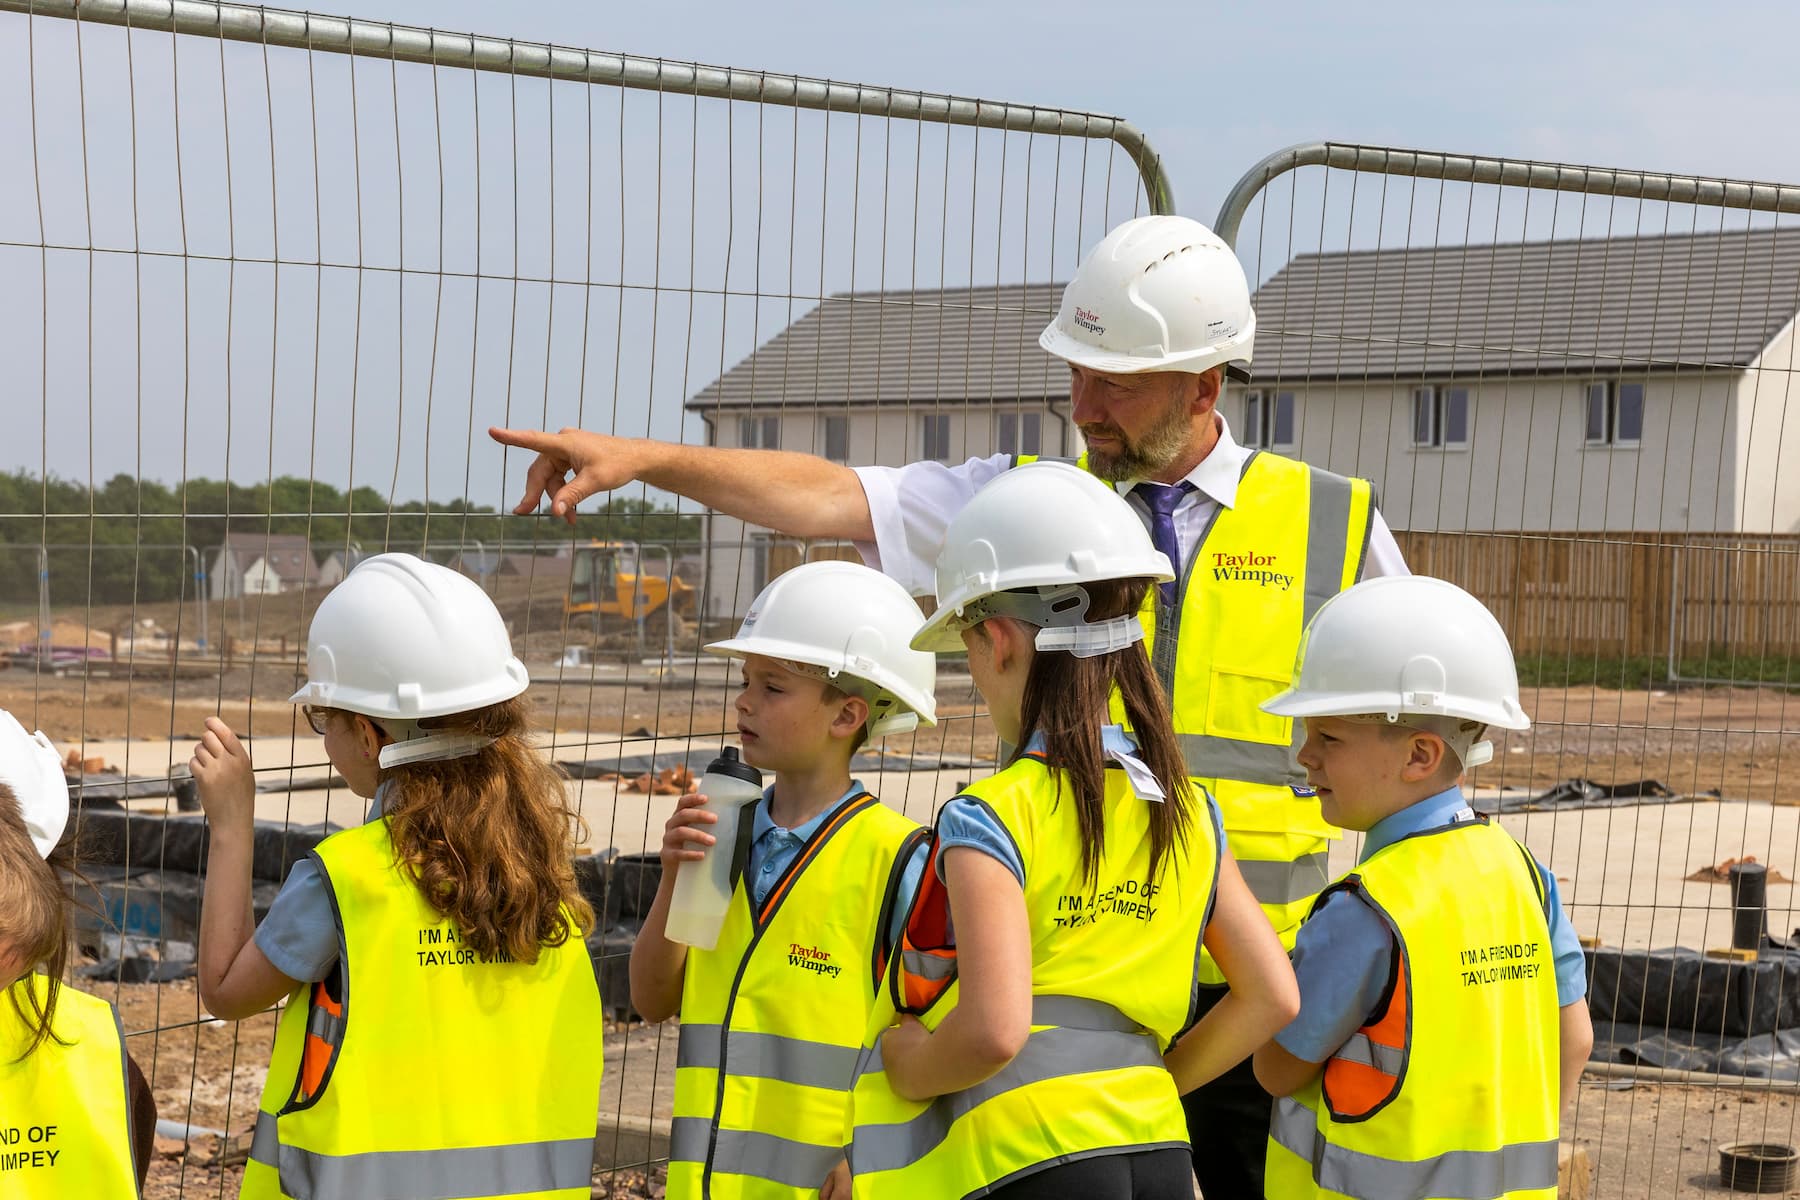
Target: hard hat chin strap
[(414, 744)]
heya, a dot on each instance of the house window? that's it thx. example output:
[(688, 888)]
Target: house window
[(935, 437), (1440, 417), (759, 433), (1269, 420), (1019, 433), (1615, 413), (837, 439)]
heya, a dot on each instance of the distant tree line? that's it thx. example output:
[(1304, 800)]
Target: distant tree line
[(105, 540)]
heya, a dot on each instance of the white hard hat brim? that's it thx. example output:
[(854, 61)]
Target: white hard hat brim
[(1299, 705), (938, 634), (517, 680), (1073, 350), (921, 704)]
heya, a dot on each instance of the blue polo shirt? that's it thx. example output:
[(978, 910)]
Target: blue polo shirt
[(1344, 950), (774, 848)]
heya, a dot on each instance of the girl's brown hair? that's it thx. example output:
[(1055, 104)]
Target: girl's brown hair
[(35, 907), (1066, 698), (490, 838)]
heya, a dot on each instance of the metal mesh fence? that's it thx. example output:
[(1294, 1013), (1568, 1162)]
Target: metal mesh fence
[(266, 278), (1570, 387)]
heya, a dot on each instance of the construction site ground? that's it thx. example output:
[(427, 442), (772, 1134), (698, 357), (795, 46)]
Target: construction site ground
[(1623, 870)]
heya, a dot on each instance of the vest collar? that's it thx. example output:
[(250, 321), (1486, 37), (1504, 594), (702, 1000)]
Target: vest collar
[(1448, 807)]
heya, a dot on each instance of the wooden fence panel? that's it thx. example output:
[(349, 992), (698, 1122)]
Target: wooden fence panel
[(1616, 595)]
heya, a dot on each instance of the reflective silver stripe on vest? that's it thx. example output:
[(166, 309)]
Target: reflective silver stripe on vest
[(1365, 1051), (768, 1056), (425, 1174), (1211, 757), (777, 1159), (1286, 882), (1456, 1175), (928, 966), (325, 1026), (1048, 1054), (687, 1139)]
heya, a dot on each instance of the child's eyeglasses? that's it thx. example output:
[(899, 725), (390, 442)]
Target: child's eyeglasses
[(319, 718)]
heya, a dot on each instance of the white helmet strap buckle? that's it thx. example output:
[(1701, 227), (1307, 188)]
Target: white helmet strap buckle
[(1060, 614), (412, 744)]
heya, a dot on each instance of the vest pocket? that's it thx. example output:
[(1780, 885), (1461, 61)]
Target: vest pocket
[(1233, 706)]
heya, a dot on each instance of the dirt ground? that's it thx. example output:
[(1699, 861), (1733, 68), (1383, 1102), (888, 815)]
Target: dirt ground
[(1733, 742), (1659, 1140)]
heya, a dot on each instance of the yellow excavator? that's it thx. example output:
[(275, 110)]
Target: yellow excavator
[(610, 588)]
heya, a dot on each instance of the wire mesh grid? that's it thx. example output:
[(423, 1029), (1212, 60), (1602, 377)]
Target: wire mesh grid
[(262, 299), (1570, 388)]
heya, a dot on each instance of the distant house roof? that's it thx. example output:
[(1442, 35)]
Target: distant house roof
[(1555, 307), (953, 345), (289, 554), (491, 562)]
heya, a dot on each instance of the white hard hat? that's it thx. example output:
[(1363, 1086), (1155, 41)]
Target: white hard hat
[(853, 625), (1050, 526), (402, 639), (1157, 294), (1403, 647), (32, 770)]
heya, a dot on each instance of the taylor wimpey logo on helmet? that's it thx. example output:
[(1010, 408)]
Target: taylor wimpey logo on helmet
[(1089, 321), (1250, 567)]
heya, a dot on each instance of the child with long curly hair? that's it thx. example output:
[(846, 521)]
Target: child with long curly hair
[(443, 1027)]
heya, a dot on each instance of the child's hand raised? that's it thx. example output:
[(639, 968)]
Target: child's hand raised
[(683, 841), (223, 775)]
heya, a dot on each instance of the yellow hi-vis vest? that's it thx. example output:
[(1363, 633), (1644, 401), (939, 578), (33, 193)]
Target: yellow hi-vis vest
[(449, 1075), (65, 1118), (1450, 1091), (772, 1017), (1295, 537), (1113, 985)]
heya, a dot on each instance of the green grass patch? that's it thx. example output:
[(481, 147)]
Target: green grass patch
[(1644, 671)]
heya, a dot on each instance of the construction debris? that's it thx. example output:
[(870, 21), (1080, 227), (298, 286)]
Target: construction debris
[(1721, 872), (670, 781)]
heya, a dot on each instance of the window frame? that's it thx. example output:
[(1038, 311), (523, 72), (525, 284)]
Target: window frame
[(1264, 432), (1612, 407), (941, 422), (765, 431), (843, 423), (1436, 398), (1016, 444)]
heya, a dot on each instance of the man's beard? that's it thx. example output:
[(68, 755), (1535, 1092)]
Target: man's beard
[(1146, 457)]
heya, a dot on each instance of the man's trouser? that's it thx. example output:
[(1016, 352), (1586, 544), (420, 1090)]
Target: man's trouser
[(1228, 1125)]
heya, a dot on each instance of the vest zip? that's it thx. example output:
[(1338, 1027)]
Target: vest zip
[(759, 923)]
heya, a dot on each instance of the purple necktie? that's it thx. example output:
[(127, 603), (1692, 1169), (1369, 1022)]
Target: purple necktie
[(1161, 498)]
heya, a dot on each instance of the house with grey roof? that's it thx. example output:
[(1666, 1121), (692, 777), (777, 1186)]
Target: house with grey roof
[(251, 563), (1631, 384), (884, 378)]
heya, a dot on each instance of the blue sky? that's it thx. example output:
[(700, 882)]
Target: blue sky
[(198, 357)]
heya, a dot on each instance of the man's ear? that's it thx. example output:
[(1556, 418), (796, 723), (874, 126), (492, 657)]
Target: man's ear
[(1206, 390)]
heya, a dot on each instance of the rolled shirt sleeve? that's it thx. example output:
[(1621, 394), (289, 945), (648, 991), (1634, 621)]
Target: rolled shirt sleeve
[(911, 507)]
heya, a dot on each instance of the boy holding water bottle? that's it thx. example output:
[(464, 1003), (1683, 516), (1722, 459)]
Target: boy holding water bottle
[(772, 1012)]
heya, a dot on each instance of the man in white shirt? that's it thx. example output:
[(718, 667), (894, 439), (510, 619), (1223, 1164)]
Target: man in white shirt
[(1156, 315)]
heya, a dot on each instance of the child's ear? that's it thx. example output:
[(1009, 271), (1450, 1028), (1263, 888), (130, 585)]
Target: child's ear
[(1010, 639), (1425, 755), (852, 712)]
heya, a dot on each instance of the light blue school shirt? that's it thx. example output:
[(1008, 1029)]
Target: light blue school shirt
[(1345, 950)]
